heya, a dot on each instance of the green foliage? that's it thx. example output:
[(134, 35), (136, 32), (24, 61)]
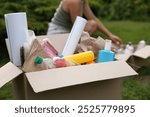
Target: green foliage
[(136, 89), (96, 6), (122, 9), (39, 14), (6, 94)]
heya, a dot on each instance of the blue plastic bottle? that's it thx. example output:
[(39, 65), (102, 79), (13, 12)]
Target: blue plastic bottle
[(106, 54)]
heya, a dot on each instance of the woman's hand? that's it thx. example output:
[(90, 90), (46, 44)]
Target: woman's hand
[(115, 39)]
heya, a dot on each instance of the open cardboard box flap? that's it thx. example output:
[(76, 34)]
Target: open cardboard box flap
[(143, 53), (8, 72), (69, 76), (63, 77)]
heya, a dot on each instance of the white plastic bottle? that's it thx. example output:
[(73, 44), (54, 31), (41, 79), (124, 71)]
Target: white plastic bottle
[(106, 54), (141, 44), (129, 48), (44, 62)]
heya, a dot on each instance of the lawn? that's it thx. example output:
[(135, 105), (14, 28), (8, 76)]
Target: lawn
[(133, 87), (130, 30)]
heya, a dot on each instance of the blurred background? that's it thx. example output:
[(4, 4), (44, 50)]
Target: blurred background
[(129, 19)]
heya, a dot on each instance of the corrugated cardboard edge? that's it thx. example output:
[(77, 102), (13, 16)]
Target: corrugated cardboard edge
[(64, 77), (8, 72), (143, 53)]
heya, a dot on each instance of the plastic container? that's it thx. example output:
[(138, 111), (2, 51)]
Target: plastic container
[(141, 44), (106, 54), (82, 57), (129, 48), (46, 63)]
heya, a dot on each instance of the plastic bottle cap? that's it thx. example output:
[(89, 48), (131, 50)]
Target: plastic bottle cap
[(107, 44), (141, 44), (56, 58), (61, 56), (129, 43), (38, 60)]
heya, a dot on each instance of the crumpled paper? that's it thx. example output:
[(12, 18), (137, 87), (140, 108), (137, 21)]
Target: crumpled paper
[(90, 43)]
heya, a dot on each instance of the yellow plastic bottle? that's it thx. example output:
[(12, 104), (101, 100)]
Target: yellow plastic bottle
[(82, 57)]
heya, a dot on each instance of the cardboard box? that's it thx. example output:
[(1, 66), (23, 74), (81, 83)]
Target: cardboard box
[(138, 59), (94, 81)]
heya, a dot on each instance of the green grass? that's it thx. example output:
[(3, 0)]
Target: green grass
[(6, 92), (3, 60), (133, 87), (129, 30), (137, 88)]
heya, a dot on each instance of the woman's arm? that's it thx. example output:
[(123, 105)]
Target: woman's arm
[(73, 8), (90, 16)]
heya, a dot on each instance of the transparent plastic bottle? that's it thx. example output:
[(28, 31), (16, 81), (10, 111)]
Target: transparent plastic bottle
[(129, 48), (141, 44), (44, 63), (106, 54)]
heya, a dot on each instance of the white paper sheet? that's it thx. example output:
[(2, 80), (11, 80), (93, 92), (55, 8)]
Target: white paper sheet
[(74, 36), (16, 26)]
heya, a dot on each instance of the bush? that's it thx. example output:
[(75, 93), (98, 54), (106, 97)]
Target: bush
[(121, 10)]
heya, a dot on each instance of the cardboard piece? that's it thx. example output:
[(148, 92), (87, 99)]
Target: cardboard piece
[(138, 59), (143, 53), (122, 57), (106, 89), (94, 81), (8, 72)]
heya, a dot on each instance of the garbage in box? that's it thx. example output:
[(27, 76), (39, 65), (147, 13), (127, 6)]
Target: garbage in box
[(69, 76), (82, 57), (52, 79)]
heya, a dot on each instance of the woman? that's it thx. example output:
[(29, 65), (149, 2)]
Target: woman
[(66, 14)]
